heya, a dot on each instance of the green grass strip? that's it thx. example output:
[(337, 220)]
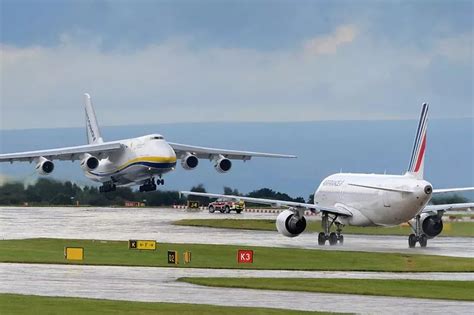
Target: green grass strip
[(449, 290), (460, 229), (32, 304), (225, 256)]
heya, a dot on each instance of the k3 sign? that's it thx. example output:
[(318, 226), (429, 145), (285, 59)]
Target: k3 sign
[(245, 256)]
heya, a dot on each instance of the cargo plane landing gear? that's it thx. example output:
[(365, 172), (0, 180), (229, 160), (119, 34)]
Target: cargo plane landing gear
[(150, 184), (418, 235), (107, 187), (332, 237)]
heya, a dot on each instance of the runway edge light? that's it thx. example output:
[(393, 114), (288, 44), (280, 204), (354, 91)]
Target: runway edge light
[(74, 253)]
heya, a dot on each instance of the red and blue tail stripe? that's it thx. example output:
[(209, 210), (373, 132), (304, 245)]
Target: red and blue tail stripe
[(419, 146)]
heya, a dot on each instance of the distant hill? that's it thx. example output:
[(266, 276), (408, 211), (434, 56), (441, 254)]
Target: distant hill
[(322, 147)]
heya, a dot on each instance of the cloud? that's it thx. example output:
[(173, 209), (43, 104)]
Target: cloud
[(329, 44), (457, 48), (177, 81)]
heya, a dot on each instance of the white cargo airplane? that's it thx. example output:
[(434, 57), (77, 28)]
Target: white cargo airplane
[(369, 200), (134, 161)]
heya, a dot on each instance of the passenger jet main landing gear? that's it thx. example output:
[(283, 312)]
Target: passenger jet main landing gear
[(418, 235), (332, 237)]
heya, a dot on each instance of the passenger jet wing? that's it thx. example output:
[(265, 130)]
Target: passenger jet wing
[(210, 153), (99, 150), (273, 202)]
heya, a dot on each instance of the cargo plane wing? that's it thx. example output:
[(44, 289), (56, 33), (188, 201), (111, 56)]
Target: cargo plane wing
[(137, 161)]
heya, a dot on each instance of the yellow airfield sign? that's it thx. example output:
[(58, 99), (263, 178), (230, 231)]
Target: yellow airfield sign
[(187, 257), (74, 253), (142, 244), (193, 204)]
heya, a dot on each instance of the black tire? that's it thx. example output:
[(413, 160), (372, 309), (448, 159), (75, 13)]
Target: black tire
[(238, 211), (222, 210), (423, 240), (227, 209), (332, 239), (211, 209), (321, 239), (341, 239), (412, 240)]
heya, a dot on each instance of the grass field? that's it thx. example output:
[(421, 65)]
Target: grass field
[(225, 256), (452, 290), (465, 229), (30, 304)]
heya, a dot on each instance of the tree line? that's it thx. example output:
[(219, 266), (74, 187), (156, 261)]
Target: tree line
[(51, 192)]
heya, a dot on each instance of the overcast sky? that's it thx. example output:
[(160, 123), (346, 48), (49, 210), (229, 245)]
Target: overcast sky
[(178, 61)]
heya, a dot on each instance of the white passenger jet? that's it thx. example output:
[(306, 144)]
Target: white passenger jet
[(369, 200), (134, 161)]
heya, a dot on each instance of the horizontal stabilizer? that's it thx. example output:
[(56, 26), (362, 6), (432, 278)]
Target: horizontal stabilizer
[(448, 190), (449, 207)]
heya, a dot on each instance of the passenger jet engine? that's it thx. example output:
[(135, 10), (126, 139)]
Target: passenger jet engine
[(44, 166), (290, 225), (431, 225), (89, 162), (189, 161), (223, 165)]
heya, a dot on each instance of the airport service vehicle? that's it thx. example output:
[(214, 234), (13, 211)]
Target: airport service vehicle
[(226, 206), (369, 200), (128, 162)]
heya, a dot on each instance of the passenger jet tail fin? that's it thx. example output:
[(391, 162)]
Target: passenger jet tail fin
[(92, 127), (418, 154)]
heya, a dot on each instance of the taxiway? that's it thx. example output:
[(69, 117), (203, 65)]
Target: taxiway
[(150, 223), (160, 285)]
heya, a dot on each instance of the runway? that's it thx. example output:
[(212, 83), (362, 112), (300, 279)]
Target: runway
[(160, 285), (147, 223)]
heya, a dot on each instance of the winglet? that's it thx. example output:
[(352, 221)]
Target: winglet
[(92, 127), (416, 165)]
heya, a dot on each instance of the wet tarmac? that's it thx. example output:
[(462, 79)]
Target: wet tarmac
[(160, 285), (146, 223)]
